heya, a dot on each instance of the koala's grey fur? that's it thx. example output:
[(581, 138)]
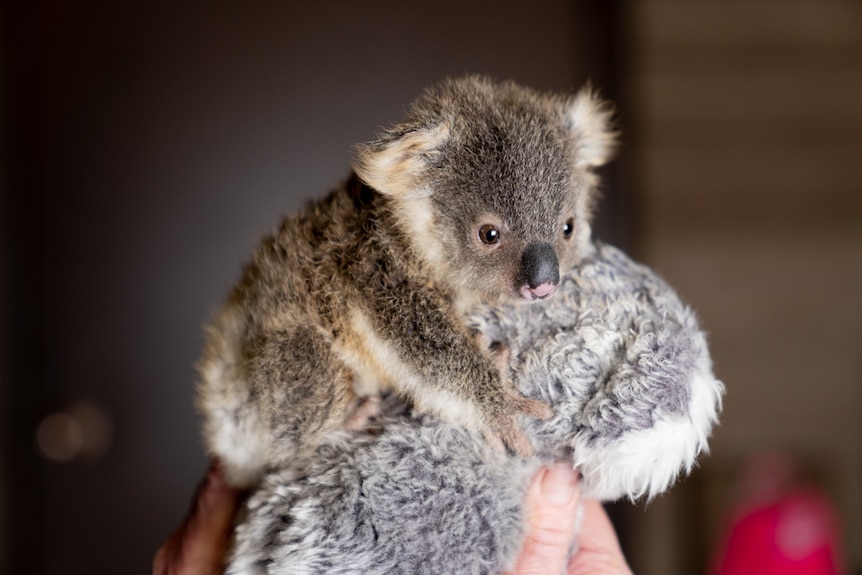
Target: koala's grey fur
[(482, 194), (616, 354)]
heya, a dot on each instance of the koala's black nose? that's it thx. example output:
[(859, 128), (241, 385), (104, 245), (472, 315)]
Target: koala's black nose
[(540, 271)]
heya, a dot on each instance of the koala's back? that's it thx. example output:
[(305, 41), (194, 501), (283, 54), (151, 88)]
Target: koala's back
[(288, 323), (309, 267)]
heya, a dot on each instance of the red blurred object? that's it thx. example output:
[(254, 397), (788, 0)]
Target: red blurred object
[(779, 527)]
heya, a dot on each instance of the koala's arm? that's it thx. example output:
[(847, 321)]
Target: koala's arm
[(445, 370)]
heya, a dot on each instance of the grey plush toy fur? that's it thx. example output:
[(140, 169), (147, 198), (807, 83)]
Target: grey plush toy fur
[(616, 354)]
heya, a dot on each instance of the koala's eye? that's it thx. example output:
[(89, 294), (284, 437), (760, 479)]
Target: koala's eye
[(568, 228), (489, 234)]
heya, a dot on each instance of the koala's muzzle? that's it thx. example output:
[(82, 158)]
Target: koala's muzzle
[(540, 271)]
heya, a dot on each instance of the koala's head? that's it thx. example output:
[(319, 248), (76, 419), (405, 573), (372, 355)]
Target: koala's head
[(492, 184)]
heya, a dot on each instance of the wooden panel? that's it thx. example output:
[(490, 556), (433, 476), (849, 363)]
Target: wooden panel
[(746, 137), (748, 97), (688, 24), (753, 186), (774, 171), (768, 285)]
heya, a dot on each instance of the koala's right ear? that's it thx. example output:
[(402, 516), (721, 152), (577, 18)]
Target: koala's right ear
[(395, 163), (592, 121)]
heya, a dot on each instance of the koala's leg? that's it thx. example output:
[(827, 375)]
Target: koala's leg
[(488, 386), (302, 390), (459, 377)]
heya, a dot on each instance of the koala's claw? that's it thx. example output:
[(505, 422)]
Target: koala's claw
[(534, 407), (364, 409), (498, 352), (504, 431), (507, 434), (494, 440)]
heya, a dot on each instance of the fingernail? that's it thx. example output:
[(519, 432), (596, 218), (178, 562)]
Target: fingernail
[(215, 475), (559, 484)]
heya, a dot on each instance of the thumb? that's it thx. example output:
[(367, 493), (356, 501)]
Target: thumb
[(552, 502), (199, 546)]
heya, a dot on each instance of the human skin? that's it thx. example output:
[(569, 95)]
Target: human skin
[(199, 544), (552, 503)]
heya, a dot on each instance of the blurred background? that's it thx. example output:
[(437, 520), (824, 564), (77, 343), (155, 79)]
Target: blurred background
[(147, 145)]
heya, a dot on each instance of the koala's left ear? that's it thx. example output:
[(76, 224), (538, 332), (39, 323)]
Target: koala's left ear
[(591, 121), (395, 163)]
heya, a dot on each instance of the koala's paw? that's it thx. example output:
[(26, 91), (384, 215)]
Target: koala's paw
[(498, 352), (502, 429), (363, 410), (501, 424)]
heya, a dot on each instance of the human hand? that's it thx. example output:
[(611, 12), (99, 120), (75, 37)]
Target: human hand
[(199, 545), (552, 503)]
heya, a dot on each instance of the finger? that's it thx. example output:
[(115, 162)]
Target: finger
[(199, 546), (598, 531), (552, 503), (599, 551), (210, 524)]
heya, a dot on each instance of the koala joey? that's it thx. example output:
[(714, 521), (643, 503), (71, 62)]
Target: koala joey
[(482, 194)]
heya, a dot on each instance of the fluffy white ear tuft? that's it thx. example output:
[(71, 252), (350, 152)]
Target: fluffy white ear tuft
[(592, 123), (395, 166)]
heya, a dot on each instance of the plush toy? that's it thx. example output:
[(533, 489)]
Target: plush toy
[(616, 354)]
